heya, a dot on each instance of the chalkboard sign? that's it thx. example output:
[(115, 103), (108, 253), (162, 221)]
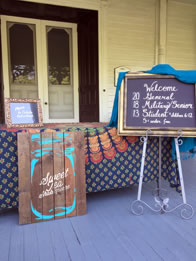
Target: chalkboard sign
[(158, 103), (23, 113)]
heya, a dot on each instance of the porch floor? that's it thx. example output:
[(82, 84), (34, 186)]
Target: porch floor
[(108, 231)]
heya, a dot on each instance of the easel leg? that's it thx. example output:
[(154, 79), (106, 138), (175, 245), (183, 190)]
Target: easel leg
[(137, 205), (159, 193), (160, 163), (142, 169), (180, 170), (187, 210), (161, 205)]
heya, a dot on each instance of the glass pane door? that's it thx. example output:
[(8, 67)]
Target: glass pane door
[(60, 73), (22, 60)]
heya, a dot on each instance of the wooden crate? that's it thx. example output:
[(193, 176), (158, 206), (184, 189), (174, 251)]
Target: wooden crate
[(51, 176)]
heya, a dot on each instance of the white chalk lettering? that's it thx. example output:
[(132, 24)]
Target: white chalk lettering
[(176, 115), (150, 96), (154, 87), (175, 105), (19, 108), (165, 121), (156, 104), (157, 114), (156, 121)]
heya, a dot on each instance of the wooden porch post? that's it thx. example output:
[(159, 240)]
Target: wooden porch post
[(162, 32)]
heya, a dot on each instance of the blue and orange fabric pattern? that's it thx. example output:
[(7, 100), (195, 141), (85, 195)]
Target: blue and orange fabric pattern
[(111, 161)]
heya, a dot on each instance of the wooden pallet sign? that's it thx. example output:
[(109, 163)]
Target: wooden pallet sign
[(52, 180)]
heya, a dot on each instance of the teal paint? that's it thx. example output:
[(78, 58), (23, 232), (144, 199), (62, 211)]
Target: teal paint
[(33, 163), (38, 153), (67, 210), (68, 153)]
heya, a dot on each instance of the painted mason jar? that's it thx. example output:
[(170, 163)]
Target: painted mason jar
[(52, 175)]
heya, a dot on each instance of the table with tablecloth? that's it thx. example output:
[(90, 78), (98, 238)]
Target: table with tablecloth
[(111, 161)]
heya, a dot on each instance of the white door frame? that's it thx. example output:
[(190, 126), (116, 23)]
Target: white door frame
[(74, 61), (41, 53)]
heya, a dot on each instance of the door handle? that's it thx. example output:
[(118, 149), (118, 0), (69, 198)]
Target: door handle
[(45, 103)]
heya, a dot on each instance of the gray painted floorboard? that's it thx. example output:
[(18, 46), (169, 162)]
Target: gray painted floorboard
[(30, 244), (109, 231)]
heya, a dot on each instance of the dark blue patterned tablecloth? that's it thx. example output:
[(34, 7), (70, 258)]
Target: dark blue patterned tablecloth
[(111, 161)]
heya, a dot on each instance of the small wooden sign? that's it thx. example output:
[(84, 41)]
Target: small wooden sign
[(159, 103), (52, 181), (23, 113)]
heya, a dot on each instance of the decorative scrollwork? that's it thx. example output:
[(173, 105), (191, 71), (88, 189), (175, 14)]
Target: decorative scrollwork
[(162, 206), (180, 141), (143, 138), (187, 211), (184, 211), (137, 207)]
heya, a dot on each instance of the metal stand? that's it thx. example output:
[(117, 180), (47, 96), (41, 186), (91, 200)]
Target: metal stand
[(161, 201)]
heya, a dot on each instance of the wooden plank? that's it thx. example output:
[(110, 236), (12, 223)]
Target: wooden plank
[(36, 176), (58, 243), (70, 194), (157, 243), (80, 173), (104, 244), (47, 176), (59, 174), (125, 226), (108, 204), (180, 246), (16, 244), (7, 223), (71, 242), (24, 178), (30, 243), (46, 250)]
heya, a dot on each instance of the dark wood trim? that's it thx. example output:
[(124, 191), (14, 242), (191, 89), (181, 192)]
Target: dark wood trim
[(88, 61), (2, 118), (42, 11)]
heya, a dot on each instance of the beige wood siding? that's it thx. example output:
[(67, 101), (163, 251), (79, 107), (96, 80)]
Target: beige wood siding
[(131, 38), (181, 35)]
